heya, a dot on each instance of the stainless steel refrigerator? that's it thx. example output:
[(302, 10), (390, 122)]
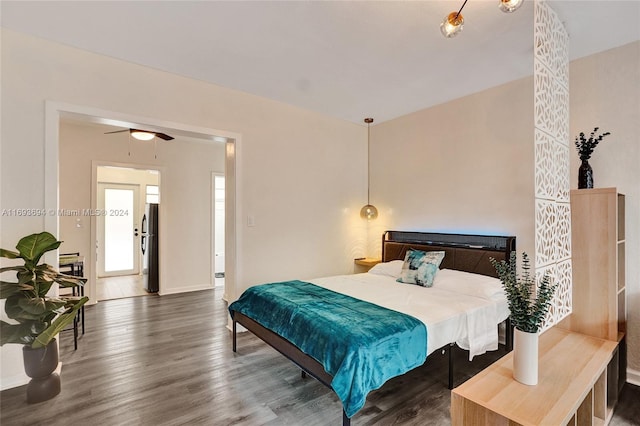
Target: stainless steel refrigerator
[(149, 245)]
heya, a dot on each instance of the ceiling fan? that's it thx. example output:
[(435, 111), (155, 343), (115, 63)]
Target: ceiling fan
[(143, 135)]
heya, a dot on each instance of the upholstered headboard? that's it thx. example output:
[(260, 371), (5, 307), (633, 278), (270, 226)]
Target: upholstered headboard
[(463, 252)]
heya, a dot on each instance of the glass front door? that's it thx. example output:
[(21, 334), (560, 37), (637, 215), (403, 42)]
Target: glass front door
[(118, 230)]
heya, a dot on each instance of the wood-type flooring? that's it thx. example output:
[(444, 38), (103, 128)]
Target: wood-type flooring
[(167, 360)]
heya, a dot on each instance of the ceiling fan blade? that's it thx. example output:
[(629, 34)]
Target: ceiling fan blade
[(116, 131), (164, 136)]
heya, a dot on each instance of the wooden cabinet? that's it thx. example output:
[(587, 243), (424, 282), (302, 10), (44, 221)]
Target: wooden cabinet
[(599, 279), (571, 389), (582, 361), (598, 263)]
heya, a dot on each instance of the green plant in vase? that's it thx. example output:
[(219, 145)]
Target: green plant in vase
[(37, 317), (585, 147), (529, 303)]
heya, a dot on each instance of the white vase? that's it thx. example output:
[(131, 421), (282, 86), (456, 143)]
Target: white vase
[(525, 357)]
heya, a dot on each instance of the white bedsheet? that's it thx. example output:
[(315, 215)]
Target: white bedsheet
[(449, 316)]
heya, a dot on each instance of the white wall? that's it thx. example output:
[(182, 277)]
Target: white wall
[(186, 195), (465, 166), (303, 174), (605, 93)]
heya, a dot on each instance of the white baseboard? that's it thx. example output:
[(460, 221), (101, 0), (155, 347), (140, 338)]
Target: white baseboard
[(21, 379), (176, 290), (633, 377), (14, 381)]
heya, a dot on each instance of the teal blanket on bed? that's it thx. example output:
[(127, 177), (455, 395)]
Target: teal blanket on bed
[(360, 344)]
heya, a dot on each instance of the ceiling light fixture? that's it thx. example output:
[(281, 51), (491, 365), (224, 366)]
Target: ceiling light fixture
[(142, 136), (508, 6), (369, 211), (452, 24)]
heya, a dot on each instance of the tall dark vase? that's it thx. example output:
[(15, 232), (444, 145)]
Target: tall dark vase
[(40, 364), (585, 175)]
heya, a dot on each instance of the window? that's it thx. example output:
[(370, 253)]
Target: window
[(152, 194)]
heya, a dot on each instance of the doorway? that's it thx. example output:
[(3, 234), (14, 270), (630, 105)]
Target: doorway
[(218, 226), (123, 194), (58, 112), (118, 231)]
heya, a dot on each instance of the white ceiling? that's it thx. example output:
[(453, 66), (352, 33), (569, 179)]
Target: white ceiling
[(347, 59)]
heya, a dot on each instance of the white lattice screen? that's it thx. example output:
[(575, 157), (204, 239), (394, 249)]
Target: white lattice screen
[(551, 111)]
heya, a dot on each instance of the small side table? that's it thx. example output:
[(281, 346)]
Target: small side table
[(364, 264), (75, 264)]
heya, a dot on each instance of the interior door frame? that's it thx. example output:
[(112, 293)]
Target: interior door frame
[(95, 165), (213, 224), (55, 110)]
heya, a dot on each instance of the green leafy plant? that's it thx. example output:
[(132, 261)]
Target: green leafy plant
[(38, 317), (528, 301), (586, 146)]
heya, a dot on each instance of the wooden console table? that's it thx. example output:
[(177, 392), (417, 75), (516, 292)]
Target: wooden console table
[(572, 386), (363, 264)]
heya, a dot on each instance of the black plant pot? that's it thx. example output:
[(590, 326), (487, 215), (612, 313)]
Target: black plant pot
[(40, 364), (585, 175)]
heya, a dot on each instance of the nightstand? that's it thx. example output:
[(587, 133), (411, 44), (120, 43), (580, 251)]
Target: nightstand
[(364, 264)]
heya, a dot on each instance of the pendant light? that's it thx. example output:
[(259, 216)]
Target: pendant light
[(508, 6), (452, 24), (369, 211)]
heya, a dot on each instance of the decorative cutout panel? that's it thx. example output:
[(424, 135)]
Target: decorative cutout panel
[(545, 233), (560, 274), (546, 158), (562, 177), (555, 303), (563, 232), (551, 118)]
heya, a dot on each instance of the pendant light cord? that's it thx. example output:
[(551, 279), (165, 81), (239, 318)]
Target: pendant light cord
[(368, 161), (461, 7), (368, 121)]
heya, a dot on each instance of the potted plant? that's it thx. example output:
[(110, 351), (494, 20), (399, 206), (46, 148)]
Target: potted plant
[(529, 303), (585, 148), (37, 317)]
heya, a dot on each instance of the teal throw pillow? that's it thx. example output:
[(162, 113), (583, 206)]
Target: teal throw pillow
[(420, 267)]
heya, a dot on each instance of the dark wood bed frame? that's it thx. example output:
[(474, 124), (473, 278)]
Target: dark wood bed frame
[(463, 252)]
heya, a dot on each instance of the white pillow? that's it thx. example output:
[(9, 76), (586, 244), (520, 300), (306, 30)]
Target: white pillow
[(392, 268), (470, 284)]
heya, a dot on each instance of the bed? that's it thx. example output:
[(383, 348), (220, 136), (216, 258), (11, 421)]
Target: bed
[(354, 332)]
